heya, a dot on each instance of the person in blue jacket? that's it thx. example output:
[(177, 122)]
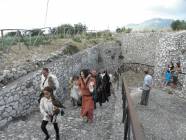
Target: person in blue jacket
[(167, 78)]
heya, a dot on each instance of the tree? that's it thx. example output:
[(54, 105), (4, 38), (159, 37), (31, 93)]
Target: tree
[(79, 28), (178, 25), (65, 29), (175, 25), (124, 30), (11, 34), (128, 30), (118, 30), (36, 32)]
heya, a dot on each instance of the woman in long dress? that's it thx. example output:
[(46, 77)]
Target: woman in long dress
[(87, 107)]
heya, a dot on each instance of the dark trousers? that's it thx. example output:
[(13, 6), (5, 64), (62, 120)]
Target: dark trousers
[(43, 127), (145, 97), (40, 96), (94, 104), (74, 102)]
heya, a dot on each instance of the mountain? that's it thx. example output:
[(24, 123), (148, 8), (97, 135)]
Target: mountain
[(152, 24)]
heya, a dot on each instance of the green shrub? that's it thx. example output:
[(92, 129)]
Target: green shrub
[(77, 39), (71, 49), (118, 42)]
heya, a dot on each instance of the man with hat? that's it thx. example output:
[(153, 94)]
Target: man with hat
[(147, 84)]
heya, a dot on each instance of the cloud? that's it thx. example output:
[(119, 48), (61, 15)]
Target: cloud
[(96, 14), (175, 9)]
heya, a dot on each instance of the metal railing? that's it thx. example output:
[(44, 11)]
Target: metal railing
[(132, 128)]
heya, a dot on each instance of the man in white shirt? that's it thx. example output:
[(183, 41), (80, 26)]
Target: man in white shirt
[(147, 84), (48, 79)]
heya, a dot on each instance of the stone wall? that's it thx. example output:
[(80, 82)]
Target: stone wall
[(136, 51), (172, 48), (140, 47), (14, 71), (18, 98), (136, 67), (156, 50)]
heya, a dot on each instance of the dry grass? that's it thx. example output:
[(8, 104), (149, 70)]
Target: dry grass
[(20, 54)]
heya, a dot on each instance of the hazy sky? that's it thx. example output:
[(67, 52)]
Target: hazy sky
[(96, 14)]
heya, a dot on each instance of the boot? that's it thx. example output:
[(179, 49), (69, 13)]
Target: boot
[(47, 137), (57, 137)]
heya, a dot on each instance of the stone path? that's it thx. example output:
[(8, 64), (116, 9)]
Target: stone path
[(107, 124), (163, 119), (165, 116)]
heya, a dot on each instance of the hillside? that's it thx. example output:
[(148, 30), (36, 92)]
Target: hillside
[(152, 24)]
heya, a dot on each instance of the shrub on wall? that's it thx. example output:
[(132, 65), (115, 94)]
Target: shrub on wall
[(77, 39), (70, 49)]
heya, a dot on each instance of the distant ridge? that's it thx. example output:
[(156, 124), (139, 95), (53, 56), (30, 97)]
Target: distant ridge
[(152, 24)]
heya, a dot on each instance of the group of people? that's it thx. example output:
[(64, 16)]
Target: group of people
[(47, 102), (85, 90), (89, 88), (170, 76)]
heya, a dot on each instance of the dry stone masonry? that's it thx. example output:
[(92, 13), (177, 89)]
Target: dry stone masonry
[(140, 47), (18, 98), (155, 50), (134, 52), (172, 48)]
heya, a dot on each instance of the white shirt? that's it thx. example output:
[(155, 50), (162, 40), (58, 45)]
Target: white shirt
[(102, 75), (91, 86), (44, 83), (147, 82), (46, 108), (74, 93), (111, 77)]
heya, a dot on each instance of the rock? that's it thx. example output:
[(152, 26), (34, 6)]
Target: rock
[(14, 70), (3, 122), (2, 108), (6, 72), (10, 99)]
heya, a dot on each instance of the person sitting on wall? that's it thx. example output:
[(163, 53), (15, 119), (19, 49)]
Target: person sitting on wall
[(174, 79), (171, 67), (178, 67)]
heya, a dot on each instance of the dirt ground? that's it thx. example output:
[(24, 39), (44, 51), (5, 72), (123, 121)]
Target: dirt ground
[(20, 54), (134, 79)]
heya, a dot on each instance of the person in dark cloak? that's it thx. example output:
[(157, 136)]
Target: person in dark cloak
[(106, 85), (101, 97)]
